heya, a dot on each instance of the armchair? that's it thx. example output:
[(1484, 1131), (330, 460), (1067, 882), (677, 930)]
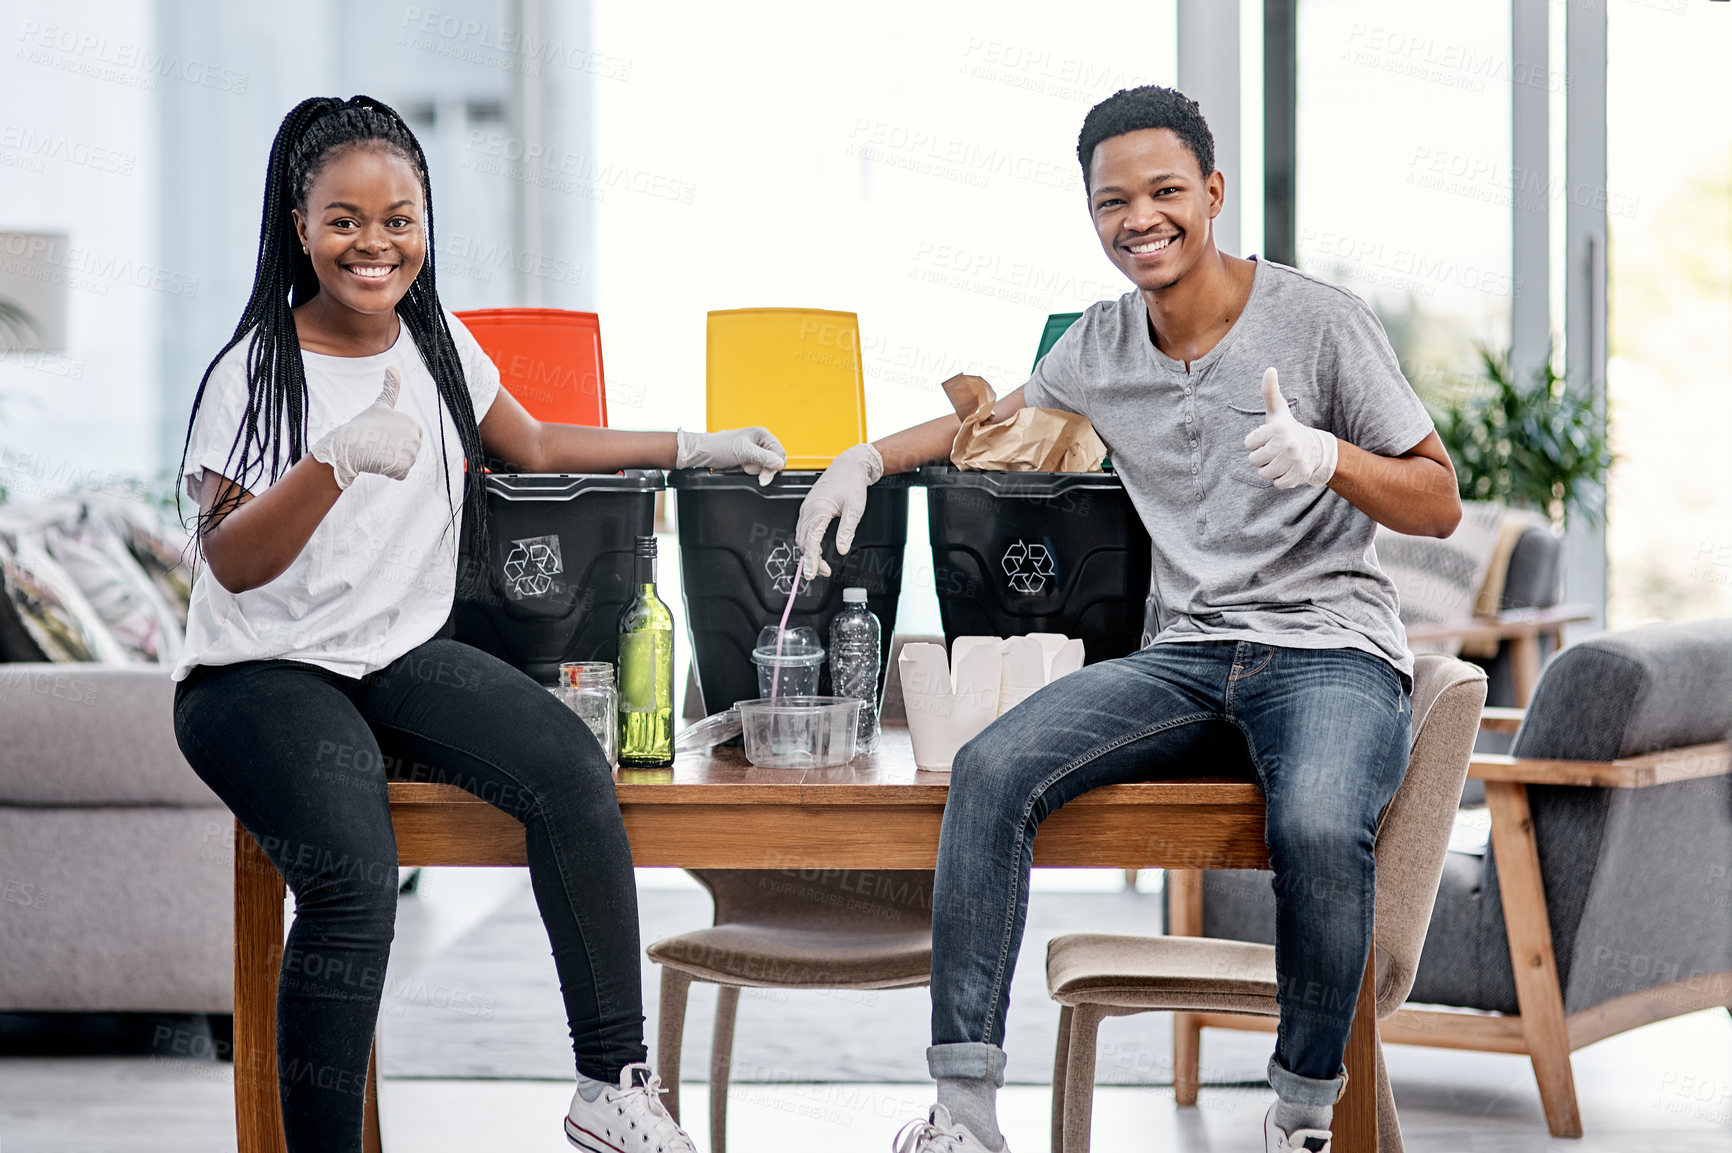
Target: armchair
[(1573, 925)]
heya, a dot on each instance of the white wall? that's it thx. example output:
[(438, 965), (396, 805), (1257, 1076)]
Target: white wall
[(78, 154), (915, 164)]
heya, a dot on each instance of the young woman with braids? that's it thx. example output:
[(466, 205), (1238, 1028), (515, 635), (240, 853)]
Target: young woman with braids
[(335, 442)]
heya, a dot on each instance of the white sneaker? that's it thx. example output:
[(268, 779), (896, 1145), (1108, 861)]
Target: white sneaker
[(939, 1134), (1278, 1140), (629, 1119)]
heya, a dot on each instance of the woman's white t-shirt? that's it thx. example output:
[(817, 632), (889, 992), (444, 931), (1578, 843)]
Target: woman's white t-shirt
[(380, 572)]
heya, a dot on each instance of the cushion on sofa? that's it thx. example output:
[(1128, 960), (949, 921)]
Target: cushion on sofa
[(85, 734), (1438, 581), (43, 615), (117, 587)]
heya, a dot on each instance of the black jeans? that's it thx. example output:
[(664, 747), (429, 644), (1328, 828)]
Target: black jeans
[(295, 752)]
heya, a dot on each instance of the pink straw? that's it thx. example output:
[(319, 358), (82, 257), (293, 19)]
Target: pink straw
[(781, 633)]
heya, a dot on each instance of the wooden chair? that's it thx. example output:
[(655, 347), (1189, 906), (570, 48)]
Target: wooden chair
[(1523, 636), (1620, 754), (788, 929), (792, 929), (1094, 976)]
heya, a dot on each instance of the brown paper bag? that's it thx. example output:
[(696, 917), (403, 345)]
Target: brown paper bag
[(1033, 440)]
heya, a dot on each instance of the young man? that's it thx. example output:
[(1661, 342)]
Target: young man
[(1263, 429)]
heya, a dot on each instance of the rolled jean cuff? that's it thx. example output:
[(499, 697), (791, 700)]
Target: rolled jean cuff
[(1292, 1088), (975, 1060)]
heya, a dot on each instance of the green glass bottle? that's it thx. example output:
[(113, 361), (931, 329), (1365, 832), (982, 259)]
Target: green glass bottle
[(646, 671)]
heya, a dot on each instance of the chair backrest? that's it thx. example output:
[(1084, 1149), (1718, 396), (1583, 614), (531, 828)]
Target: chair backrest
[(1414, 834), (1632, 692), (796, 371), (548, 358), (1531, 580), (858, 902)]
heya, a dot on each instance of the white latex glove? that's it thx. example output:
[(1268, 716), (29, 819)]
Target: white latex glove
[(1283, 450), (379, 439), (753, 449), (839, 493)]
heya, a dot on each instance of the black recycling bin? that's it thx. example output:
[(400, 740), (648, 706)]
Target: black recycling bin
[(1047, 552), (738, 563), (560, 567)]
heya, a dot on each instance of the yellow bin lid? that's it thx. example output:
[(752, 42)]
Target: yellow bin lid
[(795, 371)]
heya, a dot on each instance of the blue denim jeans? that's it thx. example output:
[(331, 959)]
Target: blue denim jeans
[(1325, 733)]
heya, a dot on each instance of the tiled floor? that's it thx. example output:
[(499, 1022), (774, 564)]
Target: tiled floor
[(1666, 1088)]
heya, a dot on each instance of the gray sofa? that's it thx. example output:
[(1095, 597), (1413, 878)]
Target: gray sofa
[(115, 860)]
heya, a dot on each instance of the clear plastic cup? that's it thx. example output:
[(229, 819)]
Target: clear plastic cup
[(800, 660)]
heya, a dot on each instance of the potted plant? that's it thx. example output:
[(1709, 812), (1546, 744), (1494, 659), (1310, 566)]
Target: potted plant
[(1527, 444)]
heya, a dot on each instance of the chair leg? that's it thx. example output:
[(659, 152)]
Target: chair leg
[(721, 1062), (1388, 1124), (1526, 921), (1079, 1089), (670, 1034), (1185, 919), (372, 1137), (1060, 1061), (1187, 1057)]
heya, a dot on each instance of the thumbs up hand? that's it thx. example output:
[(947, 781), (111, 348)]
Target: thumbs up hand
[(378, 439), (1285, 452)]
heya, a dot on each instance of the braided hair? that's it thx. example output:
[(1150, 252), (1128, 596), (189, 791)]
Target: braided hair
[(276, 412)]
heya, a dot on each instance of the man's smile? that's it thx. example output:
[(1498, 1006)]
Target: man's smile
[(1153, 246)]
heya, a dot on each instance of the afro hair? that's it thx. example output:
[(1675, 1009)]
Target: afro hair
[(1134, 109)]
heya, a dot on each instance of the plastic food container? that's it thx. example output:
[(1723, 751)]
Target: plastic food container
[(799, 732)]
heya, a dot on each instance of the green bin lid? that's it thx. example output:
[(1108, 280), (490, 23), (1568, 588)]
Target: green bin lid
[(1056, 326)]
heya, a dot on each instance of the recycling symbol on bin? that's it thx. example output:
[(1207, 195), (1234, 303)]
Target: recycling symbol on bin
[(530, 567), (782, 566), (1028, 566)]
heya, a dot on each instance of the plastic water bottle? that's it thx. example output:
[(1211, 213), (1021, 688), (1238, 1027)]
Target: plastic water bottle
[(854, 659)]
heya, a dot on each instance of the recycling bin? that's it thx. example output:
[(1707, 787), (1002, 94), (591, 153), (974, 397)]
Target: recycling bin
[(738, 563), (559, 568), (1023, 552)]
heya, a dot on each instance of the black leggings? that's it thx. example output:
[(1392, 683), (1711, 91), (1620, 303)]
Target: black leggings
[(295, 752)]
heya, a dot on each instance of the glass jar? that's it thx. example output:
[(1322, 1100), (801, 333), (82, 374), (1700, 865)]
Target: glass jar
[(587, 688)]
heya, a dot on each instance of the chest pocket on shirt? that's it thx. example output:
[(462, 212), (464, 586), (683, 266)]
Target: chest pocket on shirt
[(1240, 420)]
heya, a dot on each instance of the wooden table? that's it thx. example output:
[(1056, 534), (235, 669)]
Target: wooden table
[(718, 811)]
